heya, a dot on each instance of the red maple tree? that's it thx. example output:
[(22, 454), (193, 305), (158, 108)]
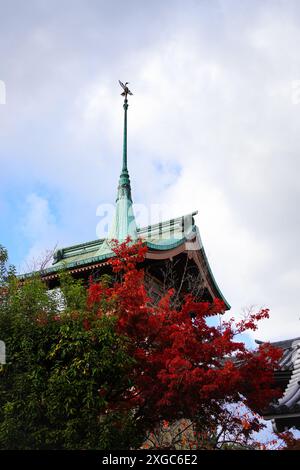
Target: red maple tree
[(184, 368)]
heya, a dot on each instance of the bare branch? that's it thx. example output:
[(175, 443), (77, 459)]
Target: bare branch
[(42, 262)]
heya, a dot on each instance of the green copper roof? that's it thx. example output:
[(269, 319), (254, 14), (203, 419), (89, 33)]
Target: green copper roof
[(162, 236)]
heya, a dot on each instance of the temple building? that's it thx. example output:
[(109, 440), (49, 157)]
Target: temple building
[(172, 243), (285, 413)]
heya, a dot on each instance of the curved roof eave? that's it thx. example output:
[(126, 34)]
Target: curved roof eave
[(217, 288)]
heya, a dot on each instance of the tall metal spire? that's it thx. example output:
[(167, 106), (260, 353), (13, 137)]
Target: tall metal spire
[(125, 106), (124, 224), (124, 182)]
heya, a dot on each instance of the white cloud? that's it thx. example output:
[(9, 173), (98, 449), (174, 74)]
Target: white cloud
[(212, 126), (40, 228)]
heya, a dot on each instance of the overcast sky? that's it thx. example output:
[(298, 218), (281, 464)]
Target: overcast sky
[(213, 126)]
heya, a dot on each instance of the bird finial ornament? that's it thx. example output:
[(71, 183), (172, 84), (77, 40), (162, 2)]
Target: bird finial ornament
[(126, 89)]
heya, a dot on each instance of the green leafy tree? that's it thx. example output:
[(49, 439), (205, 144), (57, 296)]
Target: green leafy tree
[(104, 368), (59, 359)]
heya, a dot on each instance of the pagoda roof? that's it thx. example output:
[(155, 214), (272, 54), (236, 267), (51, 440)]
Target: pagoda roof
[(162, 236), (164, 240), (285, 412)]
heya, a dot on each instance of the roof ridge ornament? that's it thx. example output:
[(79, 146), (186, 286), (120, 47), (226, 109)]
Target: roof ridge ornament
[(126, 90)]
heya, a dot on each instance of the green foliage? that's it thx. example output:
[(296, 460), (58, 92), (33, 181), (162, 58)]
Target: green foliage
[(62, 364), (5, 271), (73, 291)]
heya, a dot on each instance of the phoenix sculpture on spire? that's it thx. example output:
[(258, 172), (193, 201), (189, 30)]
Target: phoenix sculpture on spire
[(126, 89)]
